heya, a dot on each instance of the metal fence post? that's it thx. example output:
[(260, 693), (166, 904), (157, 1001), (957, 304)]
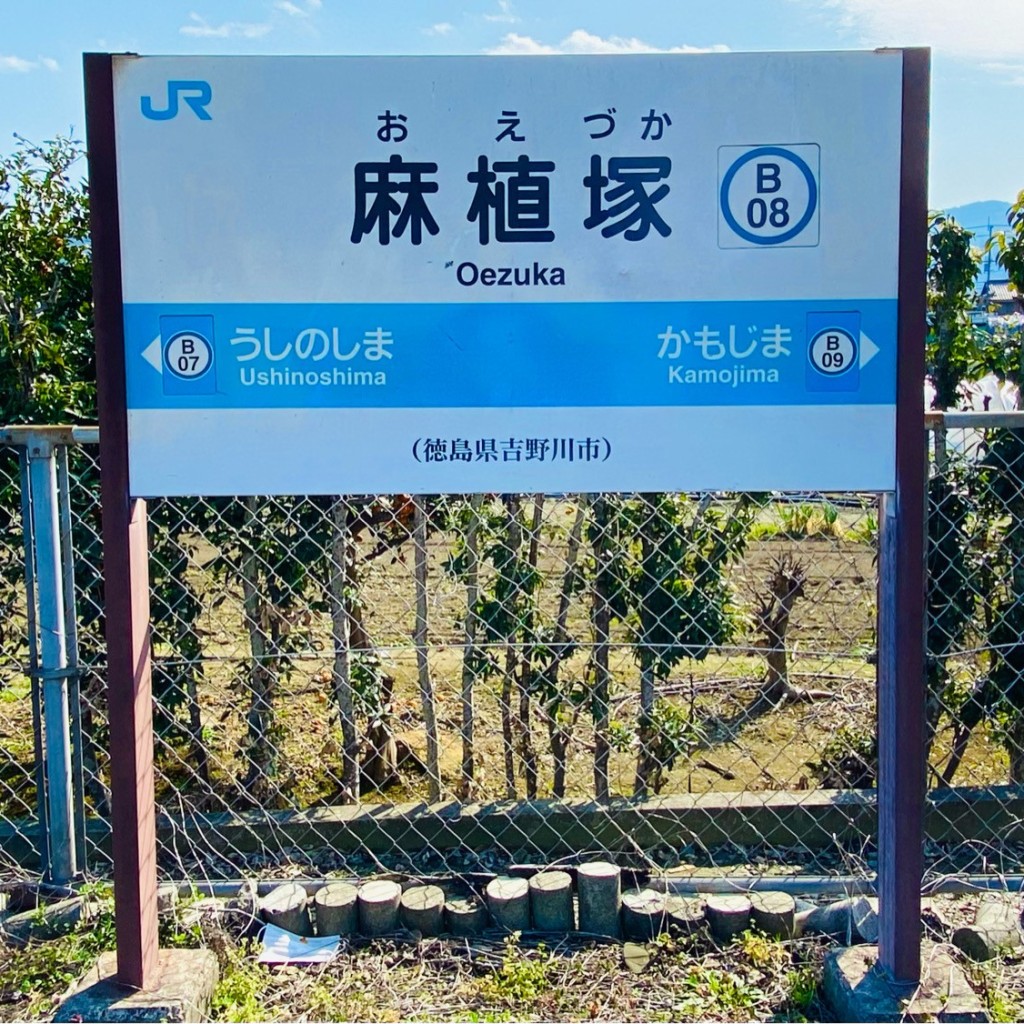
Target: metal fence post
[(61, 866)]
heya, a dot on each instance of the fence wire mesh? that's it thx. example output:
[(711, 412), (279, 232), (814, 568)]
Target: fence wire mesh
[(457, 682)]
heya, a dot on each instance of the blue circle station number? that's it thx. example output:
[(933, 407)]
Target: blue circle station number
[(833, 351), (188, 355), (776, 203)]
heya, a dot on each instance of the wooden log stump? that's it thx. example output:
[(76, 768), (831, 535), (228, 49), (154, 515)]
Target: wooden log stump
[(599, 887), (684, 916), (643, 914), (337, 909), (378, 907), (422, 909), (287, 907), (727, 915), (773, 913), (996, 930), (850, 920), (465, 916), (46, 922), (508, 900), (551, 901)]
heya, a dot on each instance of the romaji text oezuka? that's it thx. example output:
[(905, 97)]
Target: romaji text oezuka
[(510, 200), (512, 449)]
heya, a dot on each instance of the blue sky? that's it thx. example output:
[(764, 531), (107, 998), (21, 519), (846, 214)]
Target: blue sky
[(977, 148)]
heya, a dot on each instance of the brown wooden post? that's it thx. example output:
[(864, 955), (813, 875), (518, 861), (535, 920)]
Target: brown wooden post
[(901, 606), (125, 569)]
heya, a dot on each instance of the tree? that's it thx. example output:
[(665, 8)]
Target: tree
[(677, 599), (1010, 244), (951, 351), (48, 375), (47, 365)]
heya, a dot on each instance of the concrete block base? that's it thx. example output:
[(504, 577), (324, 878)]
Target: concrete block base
[(184, 991), (857, 990)]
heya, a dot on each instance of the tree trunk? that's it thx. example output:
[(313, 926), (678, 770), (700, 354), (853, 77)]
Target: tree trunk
[(469, 653), (342, 556), (645, 759), (200, 755), (527, 751), (560, 733), (380, 762), (1015, 748), (600, 617), (513, 542), (379, 766), (785, 588), (262, 749), (419, 530)]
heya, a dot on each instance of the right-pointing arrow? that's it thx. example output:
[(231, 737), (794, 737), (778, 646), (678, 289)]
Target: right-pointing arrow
[(868, 349)]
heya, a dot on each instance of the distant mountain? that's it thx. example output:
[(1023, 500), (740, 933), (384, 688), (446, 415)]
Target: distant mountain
[(978, 216)]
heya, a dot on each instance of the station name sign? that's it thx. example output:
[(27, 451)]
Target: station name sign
[(481, 274)]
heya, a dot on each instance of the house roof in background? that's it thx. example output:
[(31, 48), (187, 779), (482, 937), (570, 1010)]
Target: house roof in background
[(999, 291)]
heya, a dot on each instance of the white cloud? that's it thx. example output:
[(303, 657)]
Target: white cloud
[(1013, 72), (505, 15), (582, 41), (442, 28), (13, 63), (514, 43), (988, 31), (199, 26), (295, 10), (21, 65)]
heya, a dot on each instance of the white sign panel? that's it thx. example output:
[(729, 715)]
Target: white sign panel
[(369, 275)]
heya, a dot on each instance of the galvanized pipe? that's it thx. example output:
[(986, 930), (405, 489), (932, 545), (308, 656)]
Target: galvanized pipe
[(33, 662), (53, 658)]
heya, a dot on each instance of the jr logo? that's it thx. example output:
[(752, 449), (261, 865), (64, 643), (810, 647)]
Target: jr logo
[(196, 94)]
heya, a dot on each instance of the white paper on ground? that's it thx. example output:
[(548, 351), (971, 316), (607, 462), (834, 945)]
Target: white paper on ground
[(281, 947)]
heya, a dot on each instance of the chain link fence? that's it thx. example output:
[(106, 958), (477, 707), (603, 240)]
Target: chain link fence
[(460, 682)]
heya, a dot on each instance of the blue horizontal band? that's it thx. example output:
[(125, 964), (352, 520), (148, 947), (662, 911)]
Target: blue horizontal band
[(505, 354)]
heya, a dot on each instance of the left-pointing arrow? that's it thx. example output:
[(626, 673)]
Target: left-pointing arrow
[(153, 354)]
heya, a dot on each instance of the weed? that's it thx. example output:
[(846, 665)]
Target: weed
[(239, 993), (797, 520), (763, 531), (807, 520), (866, 530), (321, 1003), (521, 978), (44, 970), (848, 760), (1002, 1004), (764, 952), (802, 987), (713, 992)]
